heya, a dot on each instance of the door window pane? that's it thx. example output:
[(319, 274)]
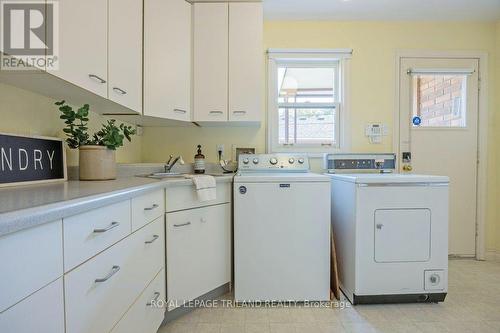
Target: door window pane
[(439, 100)]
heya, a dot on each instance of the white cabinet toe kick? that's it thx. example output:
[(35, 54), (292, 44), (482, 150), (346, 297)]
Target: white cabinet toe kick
[(113, 259)]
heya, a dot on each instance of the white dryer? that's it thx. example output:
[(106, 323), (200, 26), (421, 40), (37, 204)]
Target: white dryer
[(281, 230), (390, 230)]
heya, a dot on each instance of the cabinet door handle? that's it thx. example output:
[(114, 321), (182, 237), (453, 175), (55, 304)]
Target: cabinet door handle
[(154, 300), (119, 90), (180, 111), (216, 112), (155, 237), (239, 112), (97, 78), (114, 270), (182, 225), (111, 226), (152, 207)]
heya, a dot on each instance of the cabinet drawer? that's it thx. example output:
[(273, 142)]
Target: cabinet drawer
[(185, 197), (41, 312), (89, 233), (198, 244), (148, 311), (146, 208), (31, 259), (94, 305)]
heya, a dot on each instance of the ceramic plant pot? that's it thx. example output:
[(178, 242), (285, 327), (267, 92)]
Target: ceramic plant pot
[(97, 163)]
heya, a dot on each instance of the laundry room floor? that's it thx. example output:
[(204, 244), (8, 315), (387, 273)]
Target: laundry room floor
[(472, 305)]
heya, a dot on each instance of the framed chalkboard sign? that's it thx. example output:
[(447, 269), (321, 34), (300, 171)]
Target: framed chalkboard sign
[(31, 159)]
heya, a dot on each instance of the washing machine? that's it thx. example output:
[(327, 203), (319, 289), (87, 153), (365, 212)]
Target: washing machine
[(281, 230), (390, 230)]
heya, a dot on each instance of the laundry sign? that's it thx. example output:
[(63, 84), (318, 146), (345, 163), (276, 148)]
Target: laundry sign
[(26, 159)]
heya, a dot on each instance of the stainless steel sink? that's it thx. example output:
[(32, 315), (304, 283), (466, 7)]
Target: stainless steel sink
[(173, 175), (163, 175)]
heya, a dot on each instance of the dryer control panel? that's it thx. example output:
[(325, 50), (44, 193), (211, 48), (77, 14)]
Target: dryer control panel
[(278, 162), (348, 163)]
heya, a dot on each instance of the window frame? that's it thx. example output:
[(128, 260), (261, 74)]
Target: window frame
[(310, 58)]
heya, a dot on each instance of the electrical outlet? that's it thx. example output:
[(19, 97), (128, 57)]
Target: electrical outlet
[(220, 148)]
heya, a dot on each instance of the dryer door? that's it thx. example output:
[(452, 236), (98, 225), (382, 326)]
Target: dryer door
[(402, 235)]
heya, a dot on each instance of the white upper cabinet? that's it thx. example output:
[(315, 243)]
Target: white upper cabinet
[(228, 62), (125, 53), (245, 61), (210, 61), (167, 59), (83, 44)]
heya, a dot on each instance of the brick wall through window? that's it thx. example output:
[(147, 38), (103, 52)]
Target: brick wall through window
[(438, 100)]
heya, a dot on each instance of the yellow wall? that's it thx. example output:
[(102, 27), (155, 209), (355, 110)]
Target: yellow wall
[(24, 112), (372, 93), (372, 90)]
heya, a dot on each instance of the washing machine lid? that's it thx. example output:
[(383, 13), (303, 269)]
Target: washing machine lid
[(387, 179), (278, 177)]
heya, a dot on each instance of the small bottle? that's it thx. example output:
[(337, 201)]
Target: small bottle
[(199, 161)]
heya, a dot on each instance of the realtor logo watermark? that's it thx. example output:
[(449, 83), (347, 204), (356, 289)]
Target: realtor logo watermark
[(29, 34)]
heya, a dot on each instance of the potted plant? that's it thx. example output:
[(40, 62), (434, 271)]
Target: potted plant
[(97, 153)]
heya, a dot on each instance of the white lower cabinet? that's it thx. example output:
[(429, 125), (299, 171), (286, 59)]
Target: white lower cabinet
[(101, 290), (198, 252), (41, 312), (29, 260), (148, 311)]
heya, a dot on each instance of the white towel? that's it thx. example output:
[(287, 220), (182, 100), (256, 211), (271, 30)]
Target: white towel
[(205, 187)]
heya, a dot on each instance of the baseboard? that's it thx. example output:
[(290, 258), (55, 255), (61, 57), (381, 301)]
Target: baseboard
[(211, 295), (492, 255)]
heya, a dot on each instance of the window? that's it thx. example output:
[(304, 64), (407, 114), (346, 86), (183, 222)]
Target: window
[(305, 104), (439, 100)]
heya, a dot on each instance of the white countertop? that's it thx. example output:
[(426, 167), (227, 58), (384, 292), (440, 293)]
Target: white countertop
[(23, 207)]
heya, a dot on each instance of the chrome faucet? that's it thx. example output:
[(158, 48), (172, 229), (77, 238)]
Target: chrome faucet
[(170, 164)]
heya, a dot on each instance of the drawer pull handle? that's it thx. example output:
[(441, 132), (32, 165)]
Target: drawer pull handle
[(216, 112), (119, 91), (155, 237), (97, 78), (154, 300), (111, 226), (180, 111), (182, 225), (114, 270), (239, 112), (152, 207)]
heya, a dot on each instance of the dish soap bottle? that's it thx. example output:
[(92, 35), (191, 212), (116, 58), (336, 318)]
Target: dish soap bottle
[(199, 161)]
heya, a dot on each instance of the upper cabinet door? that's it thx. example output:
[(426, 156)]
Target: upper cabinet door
[(210, 61), (83, 44), (245, 62), (125, 53), (167, 59)]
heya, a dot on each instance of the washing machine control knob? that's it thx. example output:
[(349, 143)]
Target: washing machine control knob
[(246, 160), (301, 160), (255, 161), (291, 160), (273, 160)]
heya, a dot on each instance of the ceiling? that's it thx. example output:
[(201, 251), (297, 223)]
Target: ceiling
[(393, 10)]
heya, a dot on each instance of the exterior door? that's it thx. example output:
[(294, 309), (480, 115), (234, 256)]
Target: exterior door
[(438, 105)]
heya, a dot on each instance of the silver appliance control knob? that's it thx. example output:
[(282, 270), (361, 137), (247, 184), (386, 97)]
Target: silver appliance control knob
[(291, 160), (246, 160), (301, 160), (273, 160), (255, 161)]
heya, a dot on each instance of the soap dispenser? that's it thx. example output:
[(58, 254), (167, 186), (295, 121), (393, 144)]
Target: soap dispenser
[(199, 161)]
